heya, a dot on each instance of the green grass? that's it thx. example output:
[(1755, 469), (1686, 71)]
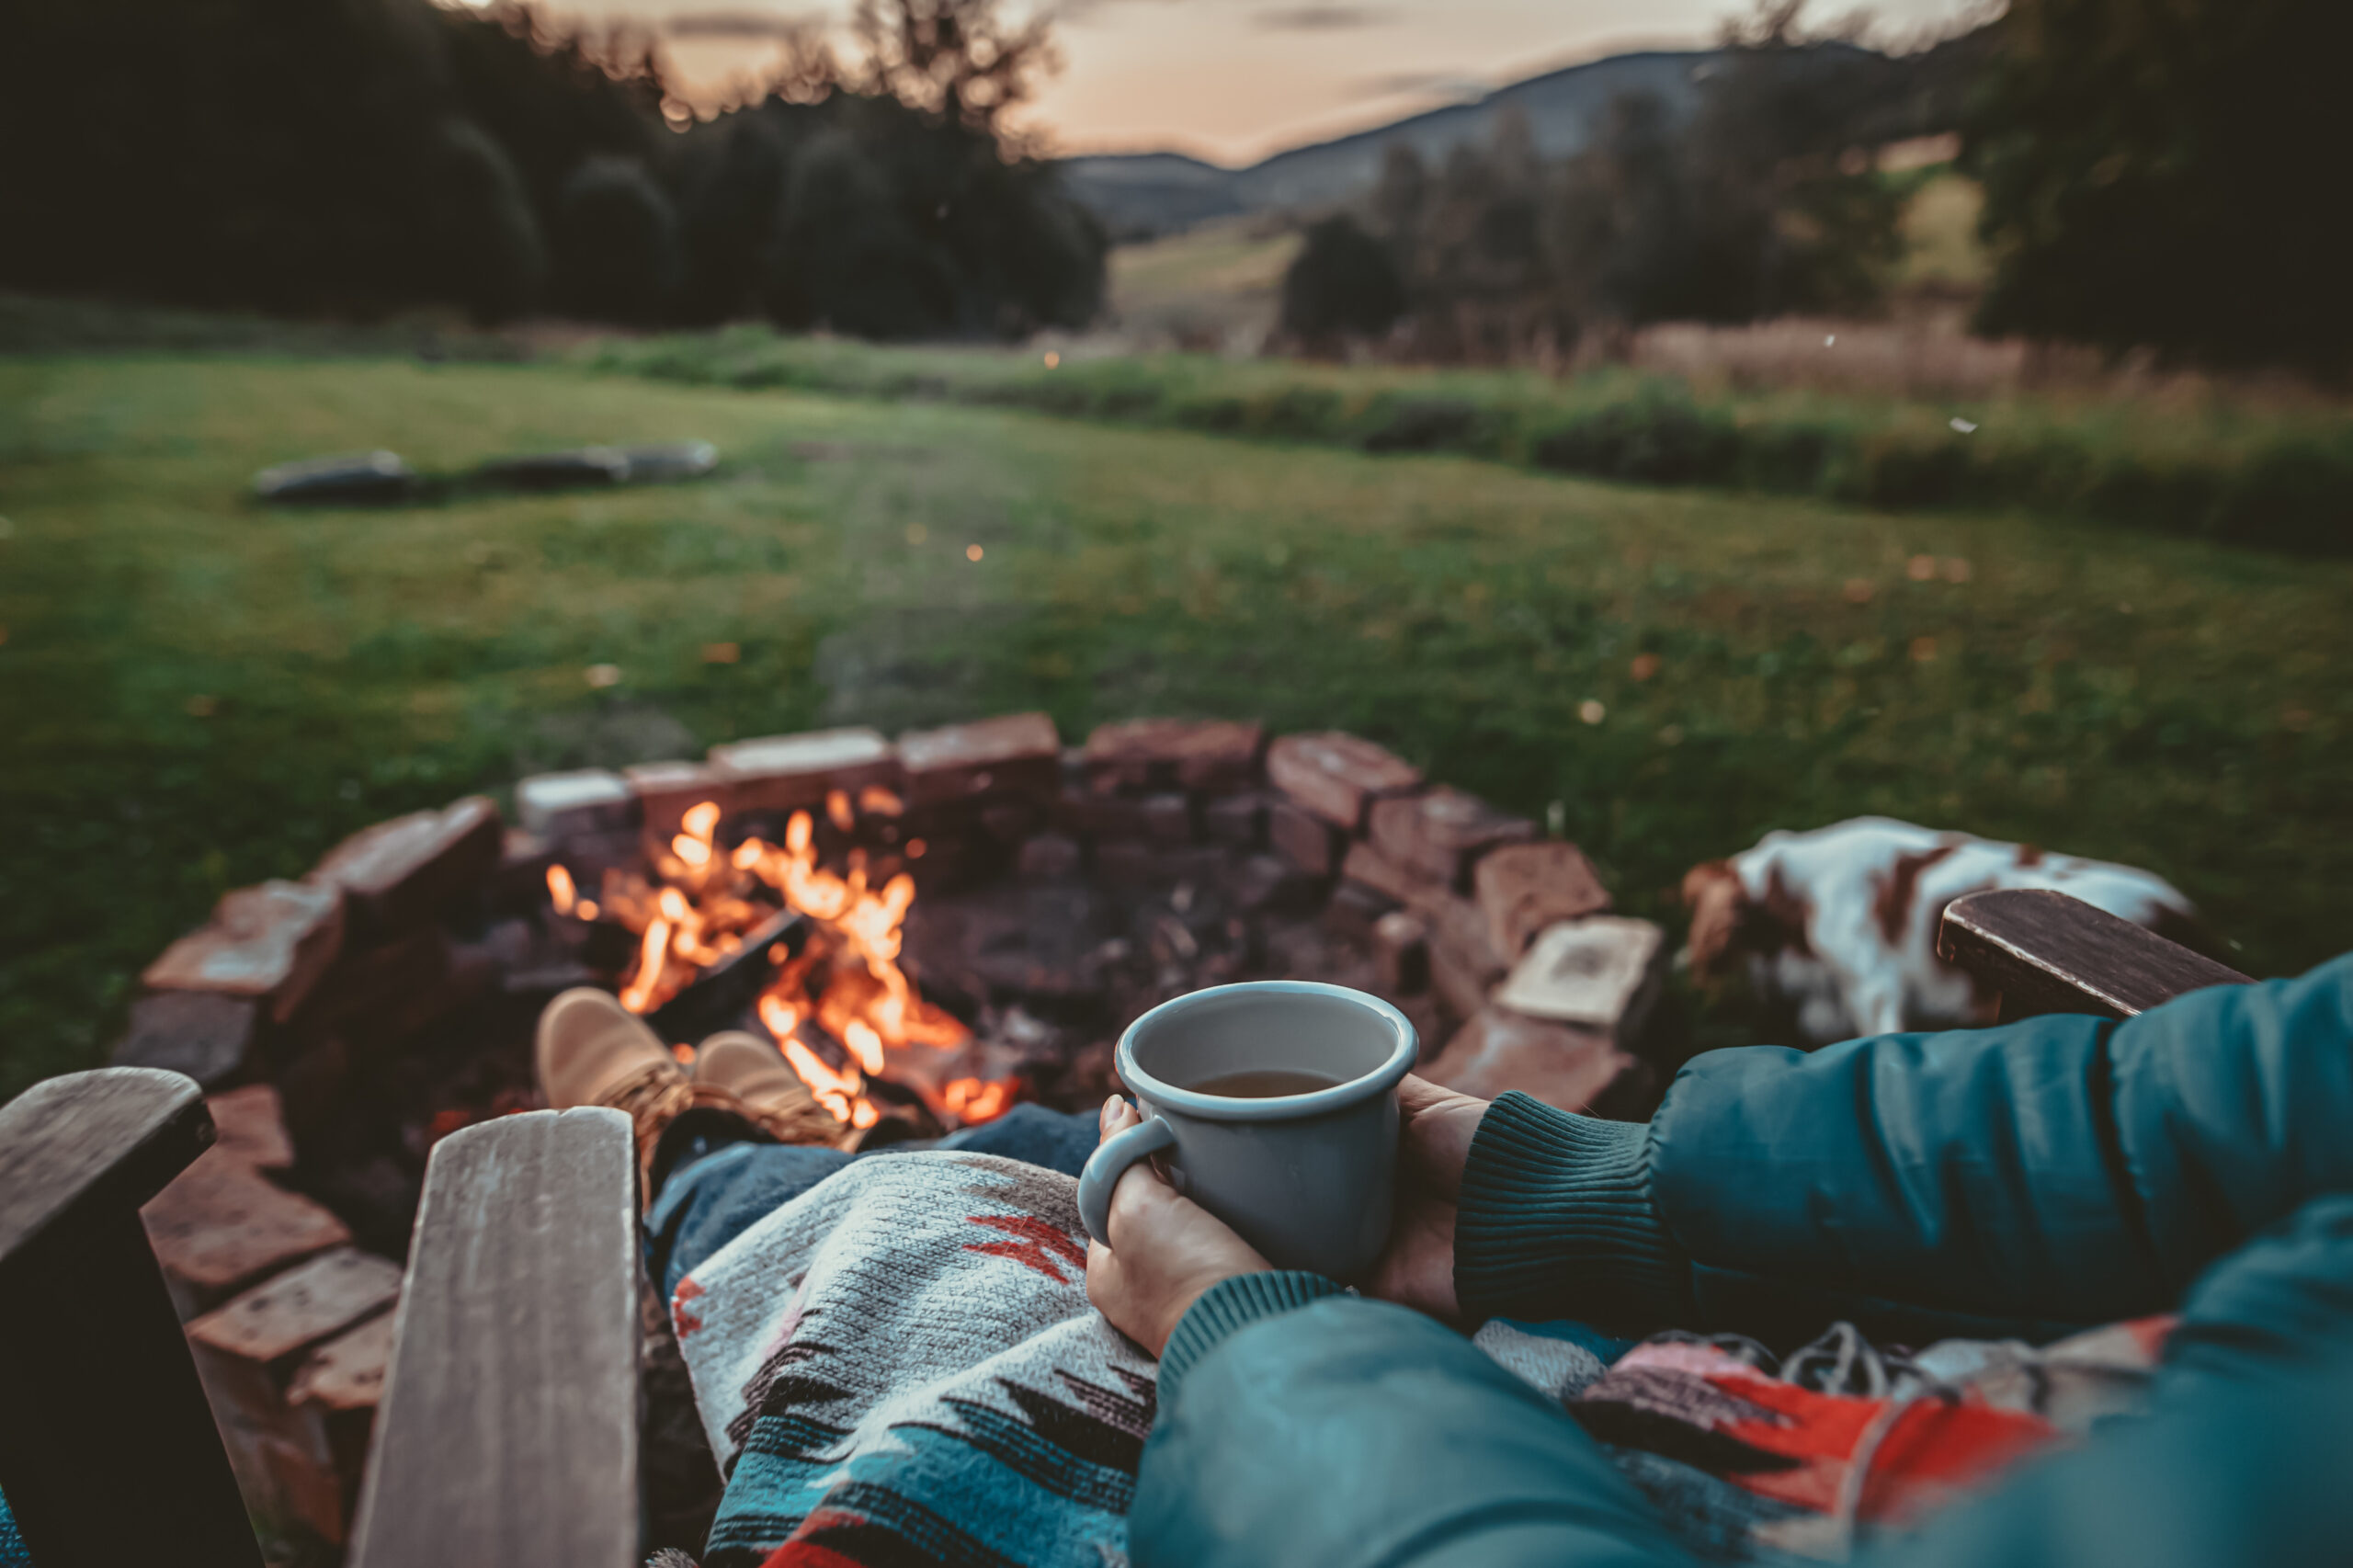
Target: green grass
[(197, 693), (2240, 467)]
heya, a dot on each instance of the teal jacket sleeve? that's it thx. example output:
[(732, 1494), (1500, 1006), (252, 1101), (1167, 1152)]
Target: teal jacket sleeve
[(2025, 1179), (1298, 1425), (1349, 1432)]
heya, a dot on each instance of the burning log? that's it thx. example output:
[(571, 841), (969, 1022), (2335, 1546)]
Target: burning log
[(813, 953)]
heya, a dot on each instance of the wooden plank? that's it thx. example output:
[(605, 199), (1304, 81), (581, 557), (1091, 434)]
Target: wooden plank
[(95, 1375), (2046, 952), (509, 1431)]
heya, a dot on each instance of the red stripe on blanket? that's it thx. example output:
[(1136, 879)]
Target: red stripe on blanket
[(1039, 1238), (682, 1321)]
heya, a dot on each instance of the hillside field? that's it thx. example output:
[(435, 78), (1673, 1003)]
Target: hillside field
[(198, 693)]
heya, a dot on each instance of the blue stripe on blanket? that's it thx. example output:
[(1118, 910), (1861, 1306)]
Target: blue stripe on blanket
[(1018, 1505)]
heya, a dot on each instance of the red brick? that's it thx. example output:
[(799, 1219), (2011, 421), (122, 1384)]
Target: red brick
[(248, 1128), (1304, 839), (1572, 1068), (368, 981), (1337, 776), (666, 792), (1206, 754), (1601, 972), (272, 941), (778, 773), (1440, 832), (210, 1037), (1168, 818), (1369, 865), (1353, 909), (1017, 751), (301, 1307), (1400, 953), (1049, 857), (571, 805), (1522, 888), (347, 1371), (521, 880), (401, 873), (221, 1224), (1088, 815), (1239, 819)]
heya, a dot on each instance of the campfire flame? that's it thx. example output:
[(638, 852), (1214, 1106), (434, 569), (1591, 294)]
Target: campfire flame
[(845, 980)]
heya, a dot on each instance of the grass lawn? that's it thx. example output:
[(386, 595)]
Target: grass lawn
[(198, 694)]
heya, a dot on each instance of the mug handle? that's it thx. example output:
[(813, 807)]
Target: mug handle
[(1108, 1164)]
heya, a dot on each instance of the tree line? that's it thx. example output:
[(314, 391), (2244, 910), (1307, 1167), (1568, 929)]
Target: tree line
[(2158, 173), (358, 157)]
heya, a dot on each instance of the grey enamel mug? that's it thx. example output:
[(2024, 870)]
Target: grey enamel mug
[(1306, 1178)]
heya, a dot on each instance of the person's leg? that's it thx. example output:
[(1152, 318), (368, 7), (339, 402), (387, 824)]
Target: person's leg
[(715, 1176), (1060, 1140)]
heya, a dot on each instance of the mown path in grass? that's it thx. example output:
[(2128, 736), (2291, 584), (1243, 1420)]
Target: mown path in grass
[(197, 693)]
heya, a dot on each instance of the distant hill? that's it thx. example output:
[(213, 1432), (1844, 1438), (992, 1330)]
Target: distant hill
[(1145, 193), (1142, 194)]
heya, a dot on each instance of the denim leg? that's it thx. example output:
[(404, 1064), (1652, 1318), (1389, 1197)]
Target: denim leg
[(717, 1175), (1060, 1140)]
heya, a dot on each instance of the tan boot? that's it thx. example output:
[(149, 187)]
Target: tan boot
[(592, 1051), (765, 1087)]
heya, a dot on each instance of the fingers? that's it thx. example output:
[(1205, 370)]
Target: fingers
[(1418, 1094), (1117, 1116)]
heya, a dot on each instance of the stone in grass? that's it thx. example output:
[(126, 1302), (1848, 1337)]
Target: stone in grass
[(1303, 838), (1573, 1068), (575, 805), (205, 1034), (271, 942), (1016, 753), (1337, 776), (1601, 972), (401, 873), (1440, 832), (1209, 755), (775, 773), (1523, 888), (582, 466), (354, 479)]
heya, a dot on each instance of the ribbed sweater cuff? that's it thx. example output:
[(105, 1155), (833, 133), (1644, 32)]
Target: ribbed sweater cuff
[(1230, 1305), (1557, 1221)]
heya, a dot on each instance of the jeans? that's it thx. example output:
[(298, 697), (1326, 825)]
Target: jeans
[(715, 1174)]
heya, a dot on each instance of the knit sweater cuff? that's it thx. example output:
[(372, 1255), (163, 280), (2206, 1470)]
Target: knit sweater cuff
[(1229, 1306), (1556, 1221)]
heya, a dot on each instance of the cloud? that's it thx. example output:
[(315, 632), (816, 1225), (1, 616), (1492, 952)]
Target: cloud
[(1320, 19), (1423, 85), (734, 24)]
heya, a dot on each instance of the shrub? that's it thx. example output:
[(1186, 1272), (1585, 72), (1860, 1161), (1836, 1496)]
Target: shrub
[(616, 254), (1342, 283), (1652, 440), (480, 237)]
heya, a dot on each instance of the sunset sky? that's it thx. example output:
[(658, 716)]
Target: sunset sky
[(1234, 80)]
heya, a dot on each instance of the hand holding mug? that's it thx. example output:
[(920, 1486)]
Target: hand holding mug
[(1165, 1250), (1417, 1268)]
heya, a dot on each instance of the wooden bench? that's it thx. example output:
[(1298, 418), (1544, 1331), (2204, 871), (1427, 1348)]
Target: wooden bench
[(508, 1427), (2046, 952)]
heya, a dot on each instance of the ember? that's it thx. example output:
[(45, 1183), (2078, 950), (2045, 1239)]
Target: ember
[(701, 904)]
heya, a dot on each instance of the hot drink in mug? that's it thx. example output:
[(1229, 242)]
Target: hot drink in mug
[(1273, 1105)]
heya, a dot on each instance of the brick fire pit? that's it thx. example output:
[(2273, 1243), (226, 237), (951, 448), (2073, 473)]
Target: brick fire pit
[(1030, 898)]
